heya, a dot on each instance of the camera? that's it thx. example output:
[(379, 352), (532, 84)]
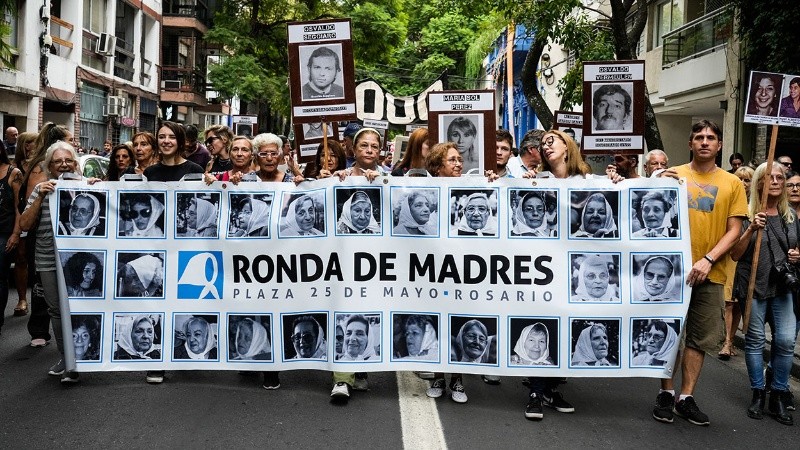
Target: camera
[(787, 274)]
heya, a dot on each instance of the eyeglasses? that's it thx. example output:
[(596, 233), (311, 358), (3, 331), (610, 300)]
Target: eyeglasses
[(655, 336), (211, 139), (453, 161), (82, 211), (548, 141), (649, 276), (478, 209), (60, 162), (268, 154), (305, 337), (134, 214), (792, 186), (475, 337)]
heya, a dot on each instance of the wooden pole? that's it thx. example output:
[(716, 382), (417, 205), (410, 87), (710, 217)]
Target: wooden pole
[(325, 150), (756, 251)]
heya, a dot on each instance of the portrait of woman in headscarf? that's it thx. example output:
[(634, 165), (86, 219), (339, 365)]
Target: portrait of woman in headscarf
[(473, 344), (531, 216), (300, 216), (416, 213), (597, 218), (416, 337), (305, 338), (197, 338), (248, 339), (137, 337), (360, 338), (653, 214), (200, 218), (250, 218), (533, 347), (140, 276), (594, 281), (656, 344), (477, 217), (141, 215), (85, 215), (658, 278), (357, 215), (593, 347)]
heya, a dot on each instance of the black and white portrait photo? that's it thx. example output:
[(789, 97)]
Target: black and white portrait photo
[(533, 213), (249, 337), (138, 336), (249, 215), (197, 215), (314, 131), (612, 108), (87, 333), (302, 214), (654, 342), (82, 213), (473, 340), (473, 212), (533, 341), (656, 278), (415, 337), (594, 214), (321, 72), (594, 277), (358, 210), (654, 213), (141, 214), (195, 337), (465, 130), (595, 342), (84, 273), (140, 274), (575, 132), (361, 337), (304, 336), (415, 212)]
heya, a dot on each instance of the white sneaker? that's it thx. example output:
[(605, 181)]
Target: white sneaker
[(437, 388), (154, 376), (457, 392), (340, 390)]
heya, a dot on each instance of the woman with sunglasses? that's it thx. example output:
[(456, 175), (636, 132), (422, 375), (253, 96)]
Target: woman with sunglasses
[(219, 140), (142, 216)]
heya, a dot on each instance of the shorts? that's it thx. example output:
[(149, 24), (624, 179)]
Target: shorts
[(705, 321)]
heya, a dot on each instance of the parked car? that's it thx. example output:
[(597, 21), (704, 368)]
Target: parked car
[(94, 166)]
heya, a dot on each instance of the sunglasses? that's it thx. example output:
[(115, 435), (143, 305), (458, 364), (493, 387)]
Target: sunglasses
[(211, 140), (133, 214)]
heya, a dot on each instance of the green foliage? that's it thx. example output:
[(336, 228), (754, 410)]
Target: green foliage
[(588, 43), (6, 7), (488, 30), (769, 32)]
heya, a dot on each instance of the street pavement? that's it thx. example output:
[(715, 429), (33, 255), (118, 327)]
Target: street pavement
[(228, 410)]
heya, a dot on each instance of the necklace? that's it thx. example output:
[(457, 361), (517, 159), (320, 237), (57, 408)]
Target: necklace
[(700, 185)]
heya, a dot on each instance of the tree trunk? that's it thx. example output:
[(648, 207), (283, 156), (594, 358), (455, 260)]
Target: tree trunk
[(530, 83)]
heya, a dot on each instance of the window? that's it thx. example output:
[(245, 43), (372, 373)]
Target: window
[(669, 16), (94, 15)]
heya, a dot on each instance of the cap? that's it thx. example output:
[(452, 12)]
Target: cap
[(351, 129)]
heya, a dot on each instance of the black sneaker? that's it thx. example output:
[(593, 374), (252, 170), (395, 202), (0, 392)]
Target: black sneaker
[(556, 401), (534, 408), (272, 380), (664, 404), (688, 409)]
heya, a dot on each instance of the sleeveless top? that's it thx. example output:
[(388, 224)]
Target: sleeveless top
[(7, 214)]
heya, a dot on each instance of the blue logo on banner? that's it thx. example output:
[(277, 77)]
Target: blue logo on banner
[(200, 275)]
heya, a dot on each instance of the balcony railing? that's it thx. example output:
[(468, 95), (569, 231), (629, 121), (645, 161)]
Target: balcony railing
[(186, 8), (703, 35), (123, 63), (182, 80)]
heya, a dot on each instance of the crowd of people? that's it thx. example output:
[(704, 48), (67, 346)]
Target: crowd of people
[(726, 225)]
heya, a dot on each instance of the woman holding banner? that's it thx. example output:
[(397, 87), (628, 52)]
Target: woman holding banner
[(337, 160), (775, 281), (367, 147)]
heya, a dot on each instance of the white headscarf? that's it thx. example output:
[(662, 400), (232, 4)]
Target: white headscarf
[(519, 347), (346, 218), (319, 349), (429, 348), (146, 267), (610, 295), (670, 342), (484, 357), (640, 284), (491, 224), (206, 213), (608, 227), (521, 227), (259, 344), (291, 228), (407, 220), (126, 341), (156, 209), (95, 220), (259, 216), (584, 353), (369, 350), (211, 339)]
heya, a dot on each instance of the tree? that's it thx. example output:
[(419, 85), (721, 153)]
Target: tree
[(565, 22), (8, 8), (774, 23)]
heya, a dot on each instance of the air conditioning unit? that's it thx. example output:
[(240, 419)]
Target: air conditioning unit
[(105, 44), (174, 85), (115, 105)]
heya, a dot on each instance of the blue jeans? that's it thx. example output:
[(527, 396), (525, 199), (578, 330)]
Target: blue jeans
[(783, 338)]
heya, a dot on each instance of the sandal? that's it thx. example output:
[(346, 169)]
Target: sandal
[(19, 312), (725, 353)]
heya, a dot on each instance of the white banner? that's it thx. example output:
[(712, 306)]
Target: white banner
[(554, 278)]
